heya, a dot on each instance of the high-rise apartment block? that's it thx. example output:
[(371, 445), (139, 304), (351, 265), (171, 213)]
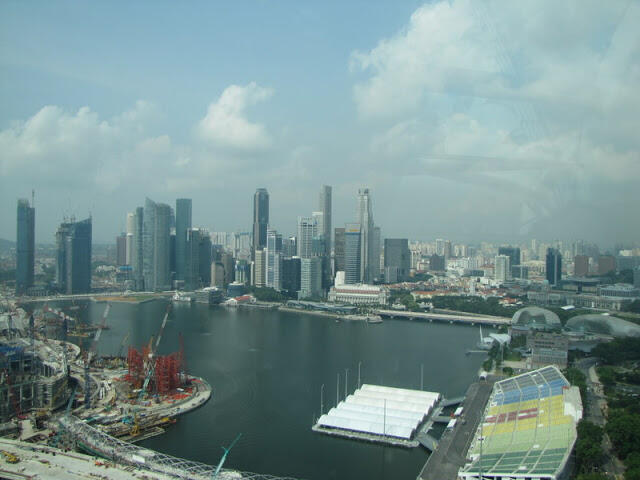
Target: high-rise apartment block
[(73, 259), (25, 246), (502, 268)]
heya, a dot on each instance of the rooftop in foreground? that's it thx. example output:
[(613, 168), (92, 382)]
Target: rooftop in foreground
[(528, 429)]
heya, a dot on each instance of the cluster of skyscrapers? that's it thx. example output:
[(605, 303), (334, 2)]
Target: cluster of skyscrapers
[(161, 250)]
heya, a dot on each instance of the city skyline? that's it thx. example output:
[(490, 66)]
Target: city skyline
[(491, 132)]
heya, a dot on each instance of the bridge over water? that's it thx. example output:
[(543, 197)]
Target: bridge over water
[(106, 446), (446, 317)]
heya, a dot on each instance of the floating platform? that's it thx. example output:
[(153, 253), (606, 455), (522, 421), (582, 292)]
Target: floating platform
[(379, 414)]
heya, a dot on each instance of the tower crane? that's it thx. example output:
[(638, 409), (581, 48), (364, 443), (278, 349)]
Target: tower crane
[(151, 362)]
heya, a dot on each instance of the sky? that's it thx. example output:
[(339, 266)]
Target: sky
[(469, 120)]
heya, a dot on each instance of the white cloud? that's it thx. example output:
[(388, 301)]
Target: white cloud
[(225, 124)]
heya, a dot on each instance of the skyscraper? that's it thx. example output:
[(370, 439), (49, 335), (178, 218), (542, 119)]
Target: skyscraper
[(324, 205), (73, 260), (259, 267), (25, 246), (554, 266), (307, 230), (183, 223), (502, 268), (338, 251), (352, 253), (274, 260), (367, 238), (512, 252), (137, 251), (260, 219), (396, 258), (156, 248), (310, 277), (121, 249)]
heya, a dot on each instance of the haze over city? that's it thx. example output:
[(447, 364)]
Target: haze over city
[(476, 121)]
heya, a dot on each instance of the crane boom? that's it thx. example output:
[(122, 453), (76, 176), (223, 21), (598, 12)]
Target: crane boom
[(151, 364)]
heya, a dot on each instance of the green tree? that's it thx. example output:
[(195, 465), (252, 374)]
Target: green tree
[(589, 452), (623, 429)]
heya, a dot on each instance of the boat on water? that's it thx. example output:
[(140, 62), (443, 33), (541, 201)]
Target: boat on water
[(374, 319), (181, 298)]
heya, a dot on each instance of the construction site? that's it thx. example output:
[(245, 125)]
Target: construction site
[(49, 383)]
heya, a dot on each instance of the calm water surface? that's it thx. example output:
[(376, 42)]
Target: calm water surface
[(267, 368)]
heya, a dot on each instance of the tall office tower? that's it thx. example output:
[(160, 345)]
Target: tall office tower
[(367, 239), (242, 271), (259, 267), (121, 249), (318, 218), (324, 205), (131, 228), (191, 272), (291, 275), (73, 266), (606, 264), (502, 268), (440, 247), (274, 260), (172, 256), (156, 248), (376, 253), (554, 266), (205, 257), (307, 229), (136, 252), (512, 252), (397, 258), (581, 265), (260, 219), (197, 268), (25, 246), (352, 253), (310, 277), (338, 251), (183, 223), (289, 247)]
